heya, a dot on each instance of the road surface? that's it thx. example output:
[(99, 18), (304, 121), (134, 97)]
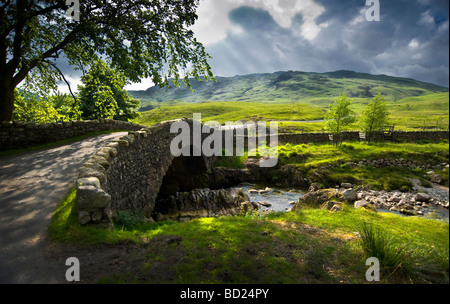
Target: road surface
[(31, 186)]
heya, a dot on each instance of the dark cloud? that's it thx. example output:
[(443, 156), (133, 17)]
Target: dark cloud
[(411, 40), (253, 19)]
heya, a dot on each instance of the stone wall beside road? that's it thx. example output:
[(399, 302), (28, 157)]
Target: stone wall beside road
[(19, 135)]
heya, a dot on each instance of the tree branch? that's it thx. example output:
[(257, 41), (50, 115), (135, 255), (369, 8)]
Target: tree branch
[(64, 78), (22, 21), (27, 67)]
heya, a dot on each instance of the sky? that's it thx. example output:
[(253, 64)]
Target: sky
[(264, 36)]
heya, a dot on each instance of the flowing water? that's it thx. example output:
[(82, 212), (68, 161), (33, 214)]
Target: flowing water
[(279, 199), (282, 200)]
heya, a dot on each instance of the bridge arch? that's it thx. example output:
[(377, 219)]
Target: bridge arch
[(133, 172)]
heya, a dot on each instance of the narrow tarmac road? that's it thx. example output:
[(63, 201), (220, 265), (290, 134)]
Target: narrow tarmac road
[(31, 186)]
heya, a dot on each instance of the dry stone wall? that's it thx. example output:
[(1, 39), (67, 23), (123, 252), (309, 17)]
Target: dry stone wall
[(407, 136), (18, 135)]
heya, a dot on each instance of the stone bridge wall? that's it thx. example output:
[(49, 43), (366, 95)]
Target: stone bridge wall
[(126, 174), (18, 135)]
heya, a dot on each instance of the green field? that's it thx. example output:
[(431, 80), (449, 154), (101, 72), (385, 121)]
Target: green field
[(413, 113), (232, 111), (302, 247)]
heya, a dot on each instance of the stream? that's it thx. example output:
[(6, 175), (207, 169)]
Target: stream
[(278, 198)]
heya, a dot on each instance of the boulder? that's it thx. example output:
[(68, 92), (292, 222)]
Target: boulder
[(91, 172), (93, 203), (336, 208), (292, 177), (350, 195), (422, 197), (247, 207), (346, 185), (317, 198), (90, 198), (84, 217), (89, 181), (203, 203), (436, 178), (364, 204)]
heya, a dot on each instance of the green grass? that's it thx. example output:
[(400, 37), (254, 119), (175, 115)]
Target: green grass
[(305, 246), (420, 246), (327, 165), (410, 114), (232, 111), (319, 154)]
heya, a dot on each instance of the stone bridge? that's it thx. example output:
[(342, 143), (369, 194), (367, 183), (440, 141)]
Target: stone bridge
[(138, 171)]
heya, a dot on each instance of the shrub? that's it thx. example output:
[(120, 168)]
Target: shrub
[(397, 182), (400, 261), (425, 183), (128, 219), (396, 259)]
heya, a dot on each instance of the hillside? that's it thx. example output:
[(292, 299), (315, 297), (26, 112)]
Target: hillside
[(293, 86)]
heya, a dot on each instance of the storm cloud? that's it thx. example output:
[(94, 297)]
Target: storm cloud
[(411, 40)]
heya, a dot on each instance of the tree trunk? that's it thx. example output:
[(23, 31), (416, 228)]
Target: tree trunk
[(6, 100)]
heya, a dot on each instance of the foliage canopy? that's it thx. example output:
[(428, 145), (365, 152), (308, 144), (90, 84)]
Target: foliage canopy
[(339, 115), (375, 115), (141, 39), (103, 96)]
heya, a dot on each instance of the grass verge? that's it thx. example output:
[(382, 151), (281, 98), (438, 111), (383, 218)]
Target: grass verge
[(306, 246)]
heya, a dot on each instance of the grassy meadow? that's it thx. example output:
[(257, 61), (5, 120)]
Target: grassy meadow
[(309, 246), (232, 111), (412, 113)]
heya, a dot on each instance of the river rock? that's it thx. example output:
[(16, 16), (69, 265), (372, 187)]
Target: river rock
[(203, 203), (317, 198), (350, 195), (265, 204), (364, 204), (422, 197), (407, 212), (347, 185)]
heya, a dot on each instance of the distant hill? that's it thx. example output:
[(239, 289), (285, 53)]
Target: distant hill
[(291, 86)]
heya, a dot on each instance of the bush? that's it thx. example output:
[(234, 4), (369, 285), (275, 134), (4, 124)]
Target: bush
[(399, 261), (397, 182), (128, 219), (396, 259)]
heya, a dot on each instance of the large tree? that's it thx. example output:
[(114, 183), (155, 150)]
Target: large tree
[(142, 39)]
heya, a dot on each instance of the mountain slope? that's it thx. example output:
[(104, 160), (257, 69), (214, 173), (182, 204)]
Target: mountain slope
[(291, 86)]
